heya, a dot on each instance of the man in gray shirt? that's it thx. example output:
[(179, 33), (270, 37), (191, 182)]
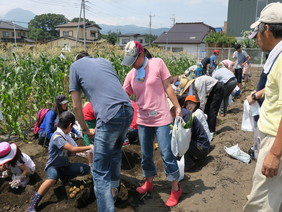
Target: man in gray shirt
[(98, 80), (242, 58), (229, 81)]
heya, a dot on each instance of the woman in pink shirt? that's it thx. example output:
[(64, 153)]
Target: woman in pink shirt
[(149, 81)]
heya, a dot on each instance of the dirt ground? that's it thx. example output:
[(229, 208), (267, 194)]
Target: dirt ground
[(220, 184)]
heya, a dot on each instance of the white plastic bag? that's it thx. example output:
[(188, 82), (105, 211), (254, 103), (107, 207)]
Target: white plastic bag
[(249, 112), (237, 153), (181, 137), (181, 166)]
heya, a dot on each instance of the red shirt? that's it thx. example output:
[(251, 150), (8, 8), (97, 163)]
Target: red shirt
[(133, 124), (88, 112)]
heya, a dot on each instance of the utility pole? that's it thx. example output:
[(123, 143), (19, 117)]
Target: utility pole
[(84, 30), (15, 34), (150, 25), (173, 20), (82, 9)]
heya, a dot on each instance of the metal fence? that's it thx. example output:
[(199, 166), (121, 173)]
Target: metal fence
[(258, 57)]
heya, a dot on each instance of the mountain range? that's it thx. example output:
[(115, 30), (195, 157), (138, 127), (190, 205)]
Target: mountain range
[(22, 17)]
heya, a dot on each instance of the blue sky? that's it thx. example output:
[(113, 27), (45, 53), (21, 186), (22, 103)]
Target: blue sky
[(127, 12)]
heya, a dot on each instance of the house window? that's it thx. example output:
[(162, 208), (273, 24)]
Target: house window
[(125, 40), (5, 34), (140, 40), (13, 34), (93, 34), (260, 5), (19, 34), (66, 33), (177, 49)]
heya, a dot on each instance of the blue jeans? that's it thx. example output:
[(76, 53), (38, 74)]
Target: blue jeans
[(146, 138), (67, 172), (108, 141)]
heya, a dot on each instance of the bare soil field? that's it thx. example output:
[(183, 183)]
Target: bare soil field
[(219, 184)]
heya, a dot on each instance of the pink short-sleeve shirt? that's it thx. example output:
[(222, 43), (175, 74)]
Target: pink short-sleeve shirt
[(150, 94)]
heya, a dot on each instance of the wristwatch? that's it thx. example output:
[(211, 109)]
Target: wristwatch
[(254, 96)]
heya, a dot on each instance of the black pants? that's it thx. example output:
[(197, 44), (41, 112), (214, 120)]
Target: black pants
[(213, 104), (238, 74), (228, 88), (42, 139), (204, 69), (194, 153)]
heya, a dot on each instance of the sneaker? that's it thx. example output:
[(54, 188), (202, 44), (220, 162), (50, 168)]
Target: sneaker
[(174, 197), (148, 186)]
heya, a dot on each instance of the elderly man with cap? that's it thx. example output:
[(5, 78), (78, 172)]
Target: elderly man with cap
[(97, 78), (150, 80), (267, 187)]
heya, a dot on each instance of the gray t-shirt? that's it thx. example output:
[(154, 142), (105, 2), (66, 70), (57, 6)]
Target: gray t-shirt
[(240, 58), (58, 156), (223, 75), (100, 84)]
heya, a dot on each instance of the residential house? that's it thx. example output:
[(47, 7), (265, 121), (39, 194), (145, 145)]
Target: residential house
[(241, 14), (188, 37), (124, 39), (72, 34), (9, 31)]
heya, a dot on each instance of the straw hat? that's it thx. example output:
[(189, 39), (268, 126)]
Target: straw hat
[(184, 85)]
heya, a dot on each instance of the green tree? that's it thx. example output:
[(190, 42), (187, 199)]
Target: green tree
[(42, 27), (149, 38), (246, 41), (87, 21), (111, 37), (39, 34), (219, 38)]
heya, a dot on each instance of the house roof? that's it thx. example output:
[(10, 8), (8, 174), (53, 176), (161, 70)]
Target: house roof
[(185, 33), (11, 25), (74, 24), (129, 35), (72, 38)]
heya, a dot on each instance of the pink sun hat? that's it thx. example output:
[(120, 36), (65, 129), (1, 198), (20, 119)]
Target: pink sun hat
[(7, 152)]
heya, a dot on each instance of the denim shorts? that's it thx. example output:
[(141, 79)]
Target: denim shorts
[(70, 171)]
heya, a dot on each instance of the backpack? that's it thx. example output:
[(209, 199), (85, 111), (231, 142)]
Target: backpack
[(39, 118)]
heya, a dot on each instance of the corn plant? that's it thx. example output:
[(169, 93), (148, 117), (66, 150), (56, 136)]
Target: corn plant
[(31, 78)]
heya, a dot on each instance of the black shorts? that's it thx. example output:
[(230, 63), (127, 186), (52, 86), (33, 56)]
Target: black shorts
[(238, 74)]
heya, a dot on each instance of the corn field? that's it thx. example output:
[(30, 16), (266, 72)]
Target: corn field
[(32, 77)]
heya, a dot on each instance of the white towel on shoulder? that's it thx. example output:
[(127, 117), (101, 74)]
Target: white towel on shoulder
[(271, 57)]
